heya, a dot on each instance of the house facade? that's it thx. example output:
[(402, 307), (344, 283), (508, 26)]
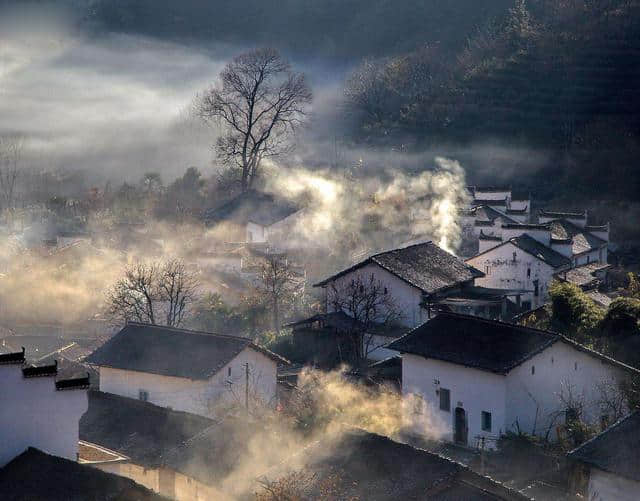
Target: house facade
[(521, 263), (38, 411), (190, 371), (480, 392)]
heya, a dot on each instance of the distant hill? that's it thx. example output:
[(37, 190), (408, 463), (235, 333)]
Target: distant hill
[(322, 28), (557, 76)]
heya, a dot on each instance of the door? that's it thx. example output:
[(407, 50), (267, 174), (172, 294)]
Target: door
[(460, 430)]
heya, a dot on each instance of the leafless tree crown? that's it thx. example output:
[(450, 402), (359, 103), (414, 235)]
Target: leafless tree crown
[(371, 306), (155, 293), (261, 102)]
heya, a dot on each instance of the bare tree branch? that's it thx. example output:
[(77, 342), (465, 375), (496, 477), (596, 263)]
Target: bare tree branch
[(260, 101)]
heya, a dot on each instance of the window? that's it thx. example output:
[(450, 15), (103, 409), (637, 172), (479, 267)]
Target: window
[(526, 305), (486, 421), (143, 395), (575, 366), (386, 291), (515, 255), (487, 270), (229, 372), (536, 291), (528, 272), (533, 370), (445, 400)]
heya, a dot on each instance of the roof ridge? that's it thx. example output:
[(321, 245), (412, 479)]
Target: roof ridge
[(187, 331)]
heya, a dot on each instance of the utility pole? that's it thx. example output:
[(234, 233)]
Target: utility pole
[(246, 387)]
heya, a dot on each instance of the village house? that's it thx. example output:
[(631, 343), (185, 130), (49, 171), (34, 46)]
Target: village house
[(257, 218), (37, 410), (179, 455), (35, 475), (607, 467), (560, 242), (364, 465), (416, 276), (186, 370), (484, 378), (523, 263)]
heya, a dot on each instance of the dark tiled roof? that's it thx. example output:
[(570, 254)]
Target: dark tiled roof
[(73, 384), (581, 240), (153, 436), (616, 450), (364, 465), (485, 213), (12, 358), (582, 275), (261, 208), (425, 266), (472, 341), (483, 201), (341, 321), (531, 246), (171, 352), (36, 476), (140, 430), (41, 370), (526, 226), (560, 215)]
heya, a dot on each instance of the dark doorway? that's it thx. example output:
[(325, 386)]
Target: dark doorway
[(460, 430)]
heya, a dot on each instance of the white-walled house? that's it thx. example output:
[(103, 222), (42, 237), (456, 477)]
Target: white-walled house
[(185, 370), (414, 276), (38, 411), (484, 378), (521, 262), (607, 467)]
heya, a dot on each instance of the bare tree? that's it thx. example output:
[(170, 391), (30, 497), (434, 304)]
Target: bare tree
[(178, 289), (261, 102), (11, 148), (279, 285), (153, 293), (371, 306)]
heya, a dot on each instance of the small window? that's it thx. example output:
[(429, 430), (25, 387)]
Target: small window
[(515, 255), (536, 291), (445, 400), (486, 421), (533, 370), (143, 395), (575, 366), (487, 270), (528, 272), (386, 291), (229, 372)]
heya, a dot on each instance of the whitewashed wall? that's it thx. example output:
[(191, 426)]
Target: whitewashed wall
[(198, 396), (492, 195), (540, 234), (557, 369), (604, 486), (34, 414), (406, 297), (472, 389), (502, 272)]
